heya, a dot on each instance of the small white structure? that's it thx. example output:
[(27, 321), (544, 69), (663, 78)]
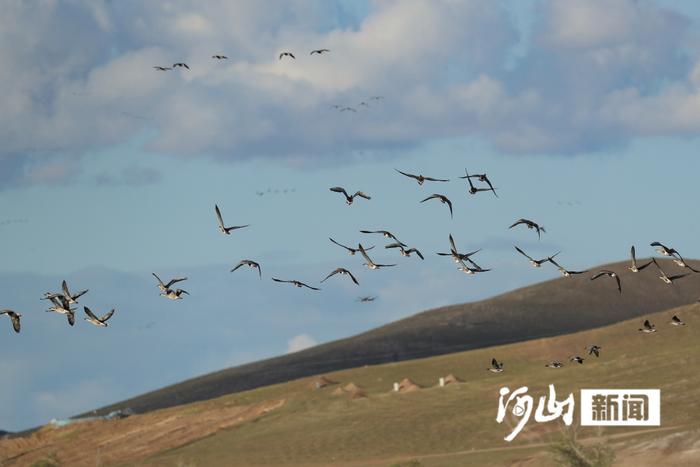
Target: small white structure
[(396, 387), (442, 382)]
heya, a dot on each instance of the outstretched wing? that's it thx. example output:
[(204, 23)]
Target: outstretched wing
[(174, 281), (333, 273), (106, 316), (523, 253), (364, 253), (90, 314), (158, 279), (339, 189), (407, 174), (429, 197), (218, 216), (361, 195), (340, 245), (431, 179)]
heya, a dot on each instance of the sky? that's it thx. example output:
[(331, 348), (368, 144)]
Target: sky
[(585, 114)]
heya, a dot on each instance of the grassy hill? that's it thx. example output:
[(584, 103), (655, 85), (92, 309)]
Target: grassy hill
[(550, 308), (296, 425)]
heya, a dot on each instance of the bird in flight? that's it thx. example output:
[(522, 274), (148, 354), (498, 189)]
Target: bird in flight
[(101, 321), (250, 264), (366, 299), (610, 274), (219, 57), (663, 249), (577, 359), (496, 366), (287, 54), (470, 270), (222, 227), (422, 179), (183, 65), (163, 287), (346, 109), (530, 225), (456, 255), (351, 251), (14, 317), (676, 321), (371, 264), (319, 51), (163, 68), (634, 267), (678, 260), (555, 364), (594, 350), (349, 198), (482, 178), (342, 271), (648, 327), (60, 305), (535, 262), (174, 294), (405, 252), (664, 277), (385, 233), (564, 272), (443, 199), (295, 283), (71, 299)]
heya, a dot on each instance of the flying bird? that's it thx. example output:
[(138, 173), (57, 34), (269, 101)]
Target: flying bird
[(530, 225), (648, 327), (610, 274), (664, 277), (473, 270), (564, 272), (535, 262), (174, 294), (287, 54), (295, 283), (405, 252), (101, 321), (163, 68), (594, 350), (443, 199), (496, 366), (163, 287), (250, 264), (351, 251), (663, 249), (482, 178), (220, 57), (456, 255), (371, 264), (555, 364), (346, 109), (60, 305), (676, 321), (634, 267), (222, 228), (679, 261), (71, 299), (577, 359), (342, 271), (385, 233), (319, 51), (422, 179), (366, 299), (349, 198), (14, 317), (183, 65)]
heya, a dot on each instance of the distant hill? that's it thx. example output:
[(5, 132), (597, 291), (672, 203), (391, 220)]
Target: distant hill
[(550, 308)]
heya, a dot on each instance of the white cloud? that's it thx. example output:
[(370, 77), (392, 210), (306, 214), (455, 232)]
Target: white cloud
[(300, 342)]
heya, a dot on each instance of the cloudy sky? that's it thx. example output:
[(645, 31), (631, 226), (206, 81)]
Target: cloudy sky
[(585, 114)]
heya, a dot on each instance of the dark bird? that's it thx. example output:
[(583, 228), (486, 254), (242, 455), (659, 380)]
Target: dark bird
[(250, 264), (664, 277), (648, 327), (183, 65), (351, 251), (471, 270), (344, 272), (162, 68), (443, 199), (101, 321), (663, 249), (349, 198), (346, 109), (564, 272), (577, 359), (71, 298), (319, 51), (594, 350), (287, 54), (366, 299), (482, 178), (385, 233), (163, 287), (610, 274), (496, 366), (555, 364), (222, 228), (14, 317), (456, 255), (405, 252), (679, 261), (295, 283), (422, 179), (174, 294), (676, 321), (535, 262), (220, 57), (530, 225), (634, 267), (371, 264)]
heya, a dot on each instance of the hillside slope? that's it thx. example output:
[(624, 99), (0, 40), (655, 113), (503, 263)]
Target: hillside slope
[(550, 308)]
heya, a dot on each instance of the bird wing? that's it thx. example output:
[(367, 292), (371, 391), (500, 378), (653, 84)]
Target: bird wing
[(407, 174), (431, 179), (218, 216), (361, 195), (601, 273), (106, 316), (333, 273), (523, 253), (417, 252), (394, 245), (647, 324), (340, 245), (429, 197), (158, 279), (238, 265), (308, 286), (80, 294), (90, 314), (449, 203), (452, 244), (677, 276), (364, 253), (619, 283), (353, 278), (174, 281), (519, 221), (71, 317), (634, 257), (64, 286), (339, 189), (280, 280)]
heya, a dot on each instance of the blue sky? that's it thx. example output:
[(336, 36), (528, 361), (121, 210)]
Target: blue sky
[(585, 114)]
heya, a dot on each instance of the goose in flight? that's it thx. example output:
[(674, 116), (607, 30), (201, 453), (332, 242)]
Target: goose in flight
[(456, 255), (663, 249), (648, 327), (664, 277), (555, 364), (564, 272), (287, 54), (371, 264), (71, 299), (164, 287), (222, 227), (351, 251), (473, 270), (219, 57), (679, 261), (366, 299), (496, 366), (296, 283), (676, 321), (163, 68), (346, 109), (385, 233), (405, 252), (319, 51), (530, 225), (250, 264), (174, 294), (14, 317), (180, 64), (611, 274), (422, 179), (577, 359), (482, 178), (101, 321), (61, 306), (349, 198), (594, 350), (342, 271), (535, 262), (634, 267), (443, 199)]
